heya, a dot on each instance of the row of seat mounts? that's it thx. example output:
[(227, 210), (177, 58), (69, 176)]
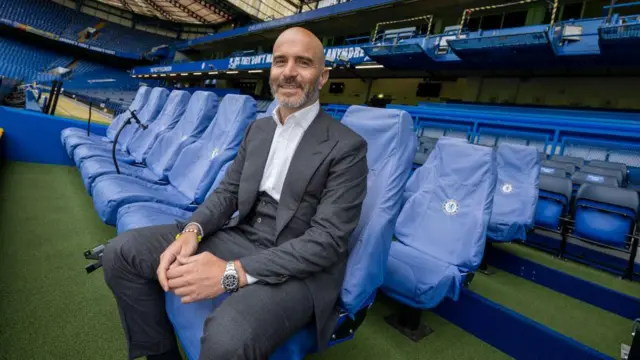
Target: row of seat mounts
[(442, 213)]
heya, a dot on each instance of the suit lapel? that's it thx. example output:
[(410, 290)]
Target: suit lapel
[(311, 151), (253, 169)]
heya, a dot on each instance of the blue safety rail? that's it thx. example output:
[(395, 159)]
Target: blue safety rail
[(587, 114), (607, 139), (504, 47), (620, 37)]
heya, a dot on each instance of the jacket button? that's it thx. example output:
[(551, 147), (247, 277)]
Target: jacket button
[(259, 220)]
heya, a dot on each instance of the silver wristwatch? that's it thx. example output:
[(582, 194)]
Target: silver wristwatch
[(230, 279)]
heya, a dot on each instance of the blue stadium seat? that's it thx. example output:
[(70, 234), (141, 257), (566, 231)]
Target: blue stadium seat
[(144, 214), (147, 116), (442, 227), (577, 161), (516, 196), (553, 172), (595, 170), (391, 146), (194, 170), (605, 215), (141, 144), (568, 168), (554, 201), (74, 137)]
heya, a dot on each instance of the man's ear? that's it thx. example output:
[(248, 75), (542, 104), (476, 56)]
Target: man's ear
[(324, 77)]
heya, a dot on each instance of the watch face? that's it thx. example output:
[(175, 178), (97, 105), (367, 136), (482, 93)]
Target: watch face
[(230, 282)]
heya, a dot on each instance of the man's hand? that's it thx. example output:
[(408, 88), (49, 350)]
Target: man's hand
[(185, 246), (197, 277)]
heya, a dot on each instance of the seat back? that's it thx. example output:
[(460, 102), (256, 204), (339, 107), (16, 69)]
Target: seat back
[(614, 173), (553, 172), (514, 204), (580, 178), (567, 167), (610, 165), (199, 164), (173, 110), (138, 103), (391, 147), (454, 201), (578, 162), (147, 115), (553, 200), (605, 214), (201, 110)]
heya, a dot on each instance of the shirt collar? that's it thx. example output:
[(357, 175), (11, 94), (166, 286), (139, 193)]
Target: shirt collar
[(301, 118)]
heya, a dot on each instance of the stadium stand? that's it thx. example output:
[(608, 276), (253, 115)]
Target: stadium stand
[(62, 21), (25, 62)]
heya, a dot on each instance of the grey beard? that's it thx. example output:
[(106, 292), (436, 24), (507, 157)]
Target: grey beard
[(309, 95)]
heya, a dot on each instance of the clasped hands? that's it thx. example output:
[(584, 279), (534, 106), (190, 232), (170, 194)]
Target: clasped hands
[(193, 277)]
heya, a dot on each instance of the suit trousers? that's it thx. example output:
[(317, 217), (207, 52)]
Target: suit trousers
[(250, 324)]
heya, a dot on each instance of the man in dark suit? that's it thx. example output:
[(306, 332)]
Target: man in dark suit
[(297, 184)]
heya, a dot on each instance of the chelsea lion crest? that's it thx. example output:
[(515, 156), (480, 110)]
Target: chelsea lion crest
[(506, 188), (450, 207)]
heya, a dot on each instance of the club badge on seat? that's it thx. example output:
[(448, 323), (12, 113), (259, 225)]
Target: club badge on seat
[(450, 207), (506, 188)]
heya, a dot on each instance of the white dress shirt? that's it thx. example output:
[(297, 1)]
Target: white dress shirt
[(283, 146)]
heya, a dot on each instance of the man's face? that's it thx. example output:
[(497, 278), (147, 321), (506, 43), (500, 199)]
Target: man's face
[(296, 72)]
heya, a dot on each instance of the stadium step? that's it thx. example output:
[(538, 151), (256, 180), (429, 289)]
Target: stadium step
[(585, 323)]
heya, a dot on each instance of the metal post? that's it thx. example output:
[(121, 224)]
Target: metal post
[(628, 274), (89, 120), (610, 14), (54, 105), (48, 102), (554, 11)]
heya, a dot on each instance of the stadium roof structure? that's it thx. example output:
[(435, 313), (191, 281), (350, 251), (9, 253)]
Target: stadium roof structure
[(212, 12)]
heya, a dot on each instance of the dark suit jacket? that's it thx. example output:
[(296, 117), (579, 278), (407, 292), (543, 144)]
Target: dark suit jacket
[(319, 208)]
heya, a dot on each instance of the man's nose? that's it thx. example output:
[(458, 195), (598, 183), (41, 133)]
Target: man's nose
[(291, 70)]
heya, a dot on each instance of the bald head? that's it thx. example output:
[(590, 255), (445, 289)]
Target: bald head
[(301, 36), (297, 69)]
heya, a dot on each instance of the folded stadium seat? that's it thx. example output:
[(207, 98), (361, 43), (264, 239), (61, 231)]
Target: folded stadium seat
[(194, 170), (553, 172), (606, 215), (441, 230), (554, 200), (272, 106), (391, 146), (580, 178), (514, 204), (570, 169), (611, 165), (73, 137), (174, 110), (594, 170), (147, 116), (577, 161)]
